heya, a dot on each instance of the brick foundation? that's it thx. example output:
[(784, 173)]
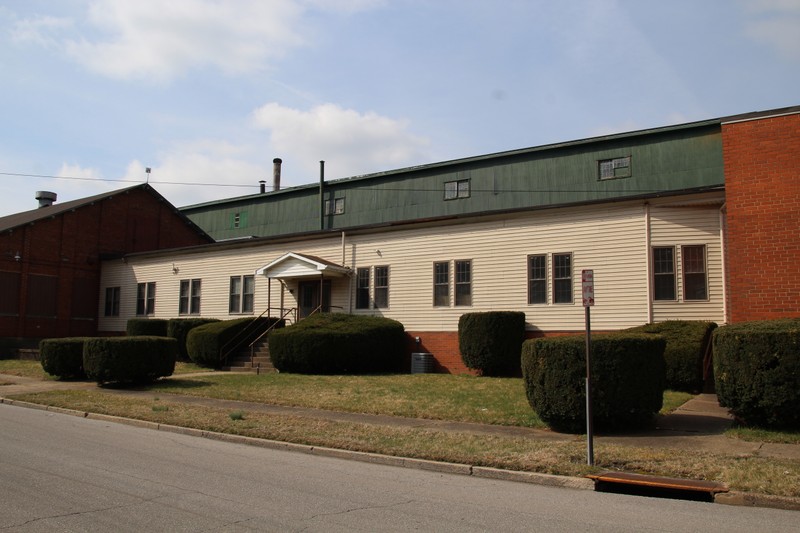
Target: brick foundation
[(443, 345)]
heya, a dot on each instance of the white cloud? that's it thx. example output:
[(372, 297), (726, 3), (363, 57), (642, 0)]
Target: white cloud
[(200, 171), (350, 142), (41, 31), (156, 40), (777, 24)]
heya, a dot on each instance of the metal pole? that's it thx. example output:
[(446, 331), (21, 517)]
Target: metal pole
[(322, 195), (589, 425)]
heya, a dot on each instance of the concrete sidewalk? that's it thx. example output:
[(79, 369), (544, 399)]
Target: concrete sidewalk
[(698, 425)]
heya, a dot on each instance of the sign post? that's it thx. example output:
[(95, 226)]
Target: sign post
[(587, 282)]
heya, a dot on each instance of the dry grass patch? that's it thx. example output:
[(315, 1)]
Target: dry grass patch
[(753, 474), (434, 396), (23, 368)]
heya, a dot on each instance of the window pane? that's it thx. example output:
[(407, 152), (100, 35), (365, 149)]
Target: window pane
[(381, 287), (249, 294), (537, 281), (362, 288), (234, 295), (150, 308), (664, 273), (463, 283), (463, 189), (562, 278), (9, 293), (194, 307), (42, 293), (141, 294), (183, 298), (695, 286), (441, 284), (450, 190)]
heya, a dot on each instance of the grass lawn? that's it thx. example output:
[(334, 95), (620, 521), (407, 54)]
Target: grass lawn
[(434, 396)]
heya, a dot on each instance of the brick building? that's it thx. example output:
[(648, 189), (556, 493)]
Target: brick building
[(50, 257), (762, 191)]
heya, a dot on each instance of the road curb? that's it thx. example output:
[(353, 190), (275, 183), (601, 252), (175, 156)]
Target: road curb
[(580, 483), (749, 499)]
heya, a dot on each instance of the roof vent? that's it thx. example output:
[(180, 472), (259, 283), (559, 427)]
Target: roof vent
[(276, 174), (46, 198)]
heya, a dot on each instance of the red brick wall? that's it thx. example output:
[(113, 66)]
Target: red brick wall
[(70, 246), (762, 189)]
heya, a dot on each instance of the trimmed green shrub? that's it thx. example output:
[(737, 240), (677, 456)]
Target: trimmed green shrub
[(627, 380), (687, 342), (150, 327), (337, 343), (490, 342), (63, 358), (179, 328), (757, 371), (205, 342), (138, 359)]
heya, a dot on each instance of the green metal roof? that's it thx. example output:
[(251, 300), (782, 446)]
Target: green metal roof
[(663, 160)]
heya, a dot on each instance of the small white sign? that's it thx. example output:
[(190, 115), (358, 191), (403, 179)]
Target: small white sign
[(587, 279)]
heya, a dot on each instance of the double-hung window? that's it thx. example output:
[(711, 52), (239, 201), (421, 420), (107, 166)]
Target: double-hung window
[(537, 279), (562, 278), (664, 273), (146, 298), (362, 288), (381, 287), (695, 283), (441, 284), (463, 282), (189, 297), (241, 297), (693, 273), (112, 301)]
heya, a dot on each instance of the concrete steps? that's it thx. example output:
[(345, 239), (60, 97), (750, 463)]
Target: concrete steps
[(257, 363)]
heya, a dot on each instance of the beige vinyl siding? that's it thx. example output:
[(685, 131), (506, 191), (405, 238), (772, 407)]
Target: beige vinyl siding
[(499, 250), (690, 225), (610, 239)]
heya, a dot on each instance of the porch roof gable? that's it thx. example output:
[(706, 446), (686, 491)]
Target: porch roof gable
[(294, 265)]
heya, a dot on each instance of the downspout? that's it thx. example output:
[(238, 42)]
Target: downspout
[(649, 262), (722, 237), (350, 284), (321, 195)]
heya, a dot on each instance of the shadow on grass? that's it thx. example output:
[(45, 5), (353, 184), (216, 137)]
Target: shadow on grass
[(161, 384)]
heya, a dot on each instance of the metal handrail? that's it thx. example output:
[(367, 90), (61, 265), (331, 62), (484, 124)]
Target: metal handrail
[(273, 326), (237, 340)]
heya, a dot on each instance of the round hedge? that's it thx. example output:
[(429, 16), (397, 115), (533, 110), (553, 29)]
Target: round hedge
[(337, 343), (627, 376), (757, 371), (687, 341), (63, 358), (129, 359), (490, 342), (179, 328), (205, 343)]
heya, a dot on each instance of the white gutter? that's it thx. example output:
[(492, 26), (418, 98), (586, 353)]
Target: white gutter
[(722, 236)]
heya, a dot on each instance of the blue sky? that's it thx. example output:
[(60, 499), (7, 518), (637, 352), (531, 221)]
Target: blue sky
[(207, 92)]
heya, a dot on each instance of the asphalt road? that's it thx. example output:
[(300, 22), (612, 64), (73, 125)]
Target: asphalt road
[(64, 473)]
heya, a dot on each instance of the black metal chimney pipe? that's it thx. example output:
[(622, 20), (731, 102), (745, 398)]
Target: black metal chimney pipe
[(321, 195), (276, 174)]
